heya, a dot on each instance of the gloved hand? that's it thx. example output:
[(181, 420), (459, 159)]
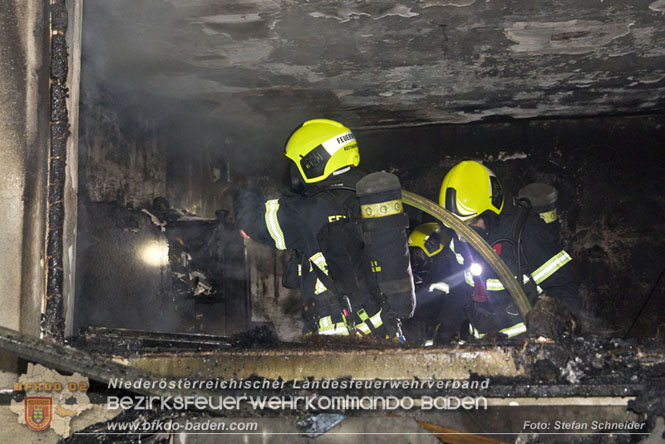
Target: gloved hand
[(394, 330)]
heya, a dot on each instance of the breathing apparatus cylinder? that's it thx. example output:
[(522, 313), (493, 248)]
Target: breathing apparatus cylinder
[(384, 225), (543, 198)]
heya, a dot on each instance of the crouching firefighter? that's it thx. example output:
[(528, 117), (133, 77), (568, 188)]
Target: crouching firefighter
[(526, 239), (347, 231)]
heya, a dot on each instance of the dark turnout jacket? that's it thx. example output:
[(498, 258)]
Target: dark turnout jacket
[(304, 223), (544, 266)]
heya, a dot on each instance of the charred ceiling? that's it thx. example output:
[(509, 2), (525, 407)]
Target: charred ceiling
[(268, 64)]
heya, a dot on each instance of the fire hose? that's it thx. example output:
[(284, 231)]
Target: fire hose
[(448, 219)]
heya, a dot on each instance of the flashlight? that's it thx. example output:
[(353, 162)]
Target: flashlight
[(476, 269)]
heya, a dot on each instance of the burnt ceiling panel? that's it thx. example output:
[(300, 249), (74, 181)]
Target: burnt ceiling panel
[(382, 63)]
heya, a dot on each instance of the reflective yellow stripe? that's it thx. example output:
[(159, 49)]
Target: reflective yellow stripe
[(497, 285), (473, 332), (381, 209), (511, 331), (319, 261), (340, 330), (468, 278), (376, 320), (272, 206), (459, 257), (441, 286), (548, 268), (549, 216), (326, 327), (543, 272), (319, 287), (325, 323), (515, 330), (363, 328), (494, 285)]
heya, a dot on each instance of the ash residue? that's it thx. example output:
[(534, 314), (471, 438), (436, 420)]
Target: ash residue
[(98, 433), (352, 342), (58, 147), (260, 337), (59, 16), (59, 131), (58, 172), (59, 66), (56, 214), (594, 359), (59, 94), (650, 403), (52, 322)]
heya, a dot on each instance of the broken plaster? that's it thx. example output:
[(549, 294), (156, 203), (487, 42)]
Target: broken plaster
[(346, 14), (658, 6), (570, 37), (455, 3)]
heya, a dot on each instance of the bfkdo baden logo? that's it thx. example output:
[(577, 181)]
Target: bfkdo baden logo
[(38, 412), (50, 400)]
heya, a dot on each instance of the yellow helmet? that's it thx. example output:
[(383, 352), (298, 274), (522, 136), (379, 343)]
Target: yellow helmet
[(320, 147), (469, 189), (428, 238)]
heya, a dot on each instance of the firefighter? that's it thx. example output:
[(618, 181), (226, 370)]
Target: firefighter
[(526, 241), (427, 243), (438, 318), (319, 220)]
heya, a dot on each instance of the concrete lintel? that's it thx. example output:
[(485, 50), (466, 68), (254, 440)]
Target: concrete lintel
[(365, 364)]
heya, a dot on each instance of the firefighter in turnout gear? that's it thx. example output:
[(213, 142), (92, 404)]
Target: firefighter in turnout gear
[(350, 286), (526, 239), (430, 269)]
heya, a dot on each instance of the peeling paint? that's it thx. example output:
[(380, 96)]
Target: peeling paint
[(570, 37), (504, 156), (302, 73), (343, 92), (343, 15), (644, 40), (658, 6), (528, 95), (346, 14), (652, 77), (399, 10), (247, 52), (230, 18), (456, 3), (455, 59)]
